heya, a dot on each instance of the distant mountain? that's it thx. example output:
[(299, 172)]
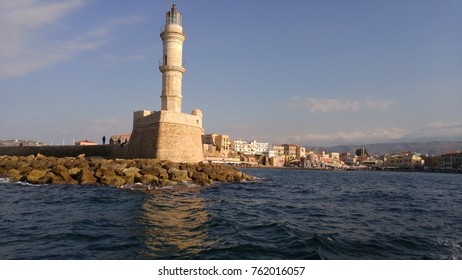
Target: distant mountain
[(430, 148)]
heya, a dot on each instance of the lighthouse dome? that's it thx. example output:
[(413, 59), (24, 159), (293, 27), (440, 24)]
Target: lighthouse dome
[(197, 112)]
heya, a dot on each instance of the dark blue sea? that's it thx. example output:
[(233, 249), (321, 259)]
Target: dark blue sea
[(285, 214)]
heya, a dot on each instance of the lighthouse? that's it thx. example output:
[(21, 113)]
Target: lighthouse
[(168, 134), (171, 63)]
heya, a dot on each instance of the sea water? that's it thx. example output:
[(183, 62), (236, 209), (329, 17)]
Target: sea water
[(284, 214)]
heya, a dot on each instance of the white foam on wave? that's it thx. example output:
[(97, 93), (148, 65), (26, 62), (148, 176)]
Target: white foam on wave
[(176, 185), (456, 249), (21, 183), (5, 180)]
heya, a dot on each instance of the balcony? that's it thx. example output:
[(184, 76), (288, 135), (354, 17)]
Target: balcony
[(175, 67), (162, 30), (163, 63)]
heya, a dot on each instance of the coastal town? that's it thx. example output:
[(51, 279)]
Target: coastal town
[(220, 149)]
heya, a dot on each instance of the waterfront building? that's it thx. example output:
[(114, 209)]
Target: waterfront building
[(251, 148), (277, 161), (258, 148), (348, 158), (85, 143), (216, 142), (209, 139), (301, 152), (312, 161), (290, 150), (433, 162), (404, 160), (372, 162), (240, 146), (334, 156), (248, 159), (278, 150), (452, 160), (223, 144), (209, 150)]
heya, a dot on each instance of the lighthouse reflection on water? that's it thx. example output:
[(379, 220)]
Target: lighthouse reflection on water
[(175, 222)]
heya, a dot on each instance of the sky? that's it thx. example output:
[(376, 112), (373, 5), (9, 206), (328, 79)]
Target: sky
[(301, 71)]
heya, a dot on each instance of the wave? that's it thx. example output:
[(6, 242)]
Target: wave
[(5, 180)]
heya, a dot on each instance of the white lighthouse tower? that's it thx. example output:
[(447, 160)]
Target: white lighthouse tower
[(168, 134), (171, 64)]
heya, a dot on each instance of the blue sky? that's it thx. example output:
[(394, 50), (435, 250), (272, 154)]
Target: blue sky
[(303, 72)]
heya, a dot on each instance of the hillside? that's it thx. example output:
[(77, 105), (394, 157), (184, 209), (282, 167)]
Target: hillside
[(430, 148)]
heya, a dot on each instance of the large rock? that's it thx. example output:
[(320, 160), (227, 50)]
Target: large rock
[(177, 175), (85, 177), (112, 180), (148, 179), (7, 163), (15, 175), (37, 176), (104, 170), (221, 173), (131, 175), (74, 172), (63, 172), (52, 178), (190, 168), (201, 178), (157, 171)]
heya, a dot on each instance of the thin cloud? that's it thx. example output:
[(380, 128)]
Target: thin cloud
[(379, 134), (128, 20), (442, 125), (20, 15), (26, 46), (434, 130), (440, 129), (110, 59), (314, 105), (381, 105)]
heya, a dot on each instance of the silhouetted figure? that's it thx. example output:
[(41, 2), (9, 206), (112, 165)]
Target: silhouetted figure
[(111, 141), (104, 140)]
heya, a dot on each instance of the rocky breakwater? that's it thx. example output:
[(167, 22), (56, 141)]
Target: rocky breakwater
[(99, 171)]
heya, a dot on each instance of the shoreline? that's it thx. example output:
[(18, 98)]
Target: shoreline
[(378, 169)]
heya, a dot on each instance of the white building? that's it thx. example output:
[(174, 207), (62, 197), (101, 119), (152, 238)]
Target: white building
[(258, 148), (275, 151), (240, 146), (249, 148)]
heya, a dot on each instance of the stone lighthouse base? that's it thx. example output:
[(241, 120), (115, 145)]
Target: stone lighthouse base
[(166, 135)]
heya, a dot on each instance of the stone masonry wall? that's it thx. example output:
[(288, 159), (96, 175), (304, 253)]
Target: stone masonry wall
[(178, 142), (106, 151), (166, 135), (142, 140)]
